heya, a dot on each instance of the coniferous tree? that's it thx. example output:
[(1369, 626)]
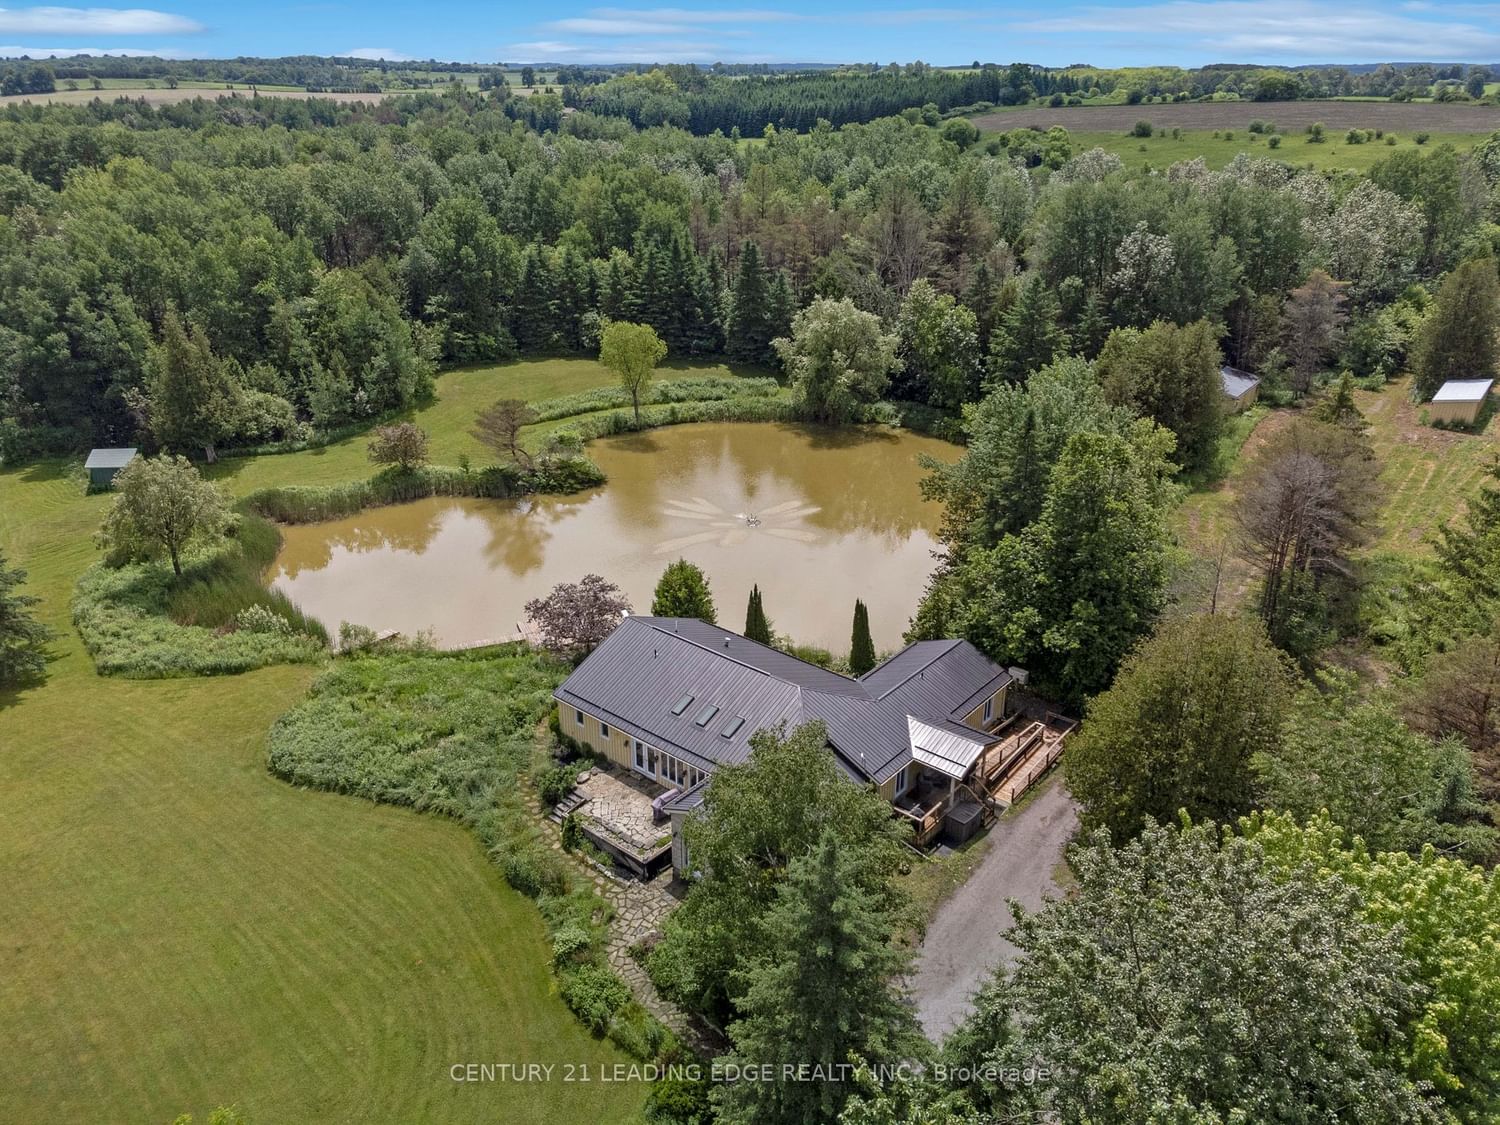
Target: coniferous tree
[(22, 636), (193, 397), (1458, 338), (751, 328), (829, 992), (683, 592), (757, 625), (1030, 334), (861, 646), (536, 318)]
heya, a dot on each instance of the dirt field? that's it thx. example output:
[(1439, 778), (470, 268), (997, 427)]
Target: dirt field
[(1393, 116), (171, 97)]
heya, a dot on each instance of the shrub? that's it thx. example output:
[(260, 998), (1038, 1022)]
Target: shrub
[(1142, 129), (571, 943), (402, 444), (1422, 138), (556, 783), (594, 994), (1273, 141)]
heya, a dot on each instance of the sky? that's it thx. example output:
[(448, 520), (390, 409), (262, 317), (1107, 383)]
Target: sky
[(1052, 32)]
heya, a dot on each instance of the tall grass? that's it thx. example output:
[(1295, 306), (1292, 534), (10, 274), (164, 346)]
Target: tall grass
[(145, 622), (312, 504), (670, 390)]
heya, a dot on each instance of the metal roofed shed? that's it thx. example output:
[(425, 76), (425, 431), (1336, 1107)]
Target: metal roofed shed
[(1240, 387), (1459, 401), (103, 464)]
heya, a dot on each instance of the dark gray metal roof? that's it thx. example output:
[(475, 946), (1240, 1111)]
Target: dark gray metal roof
[(648, 664), (109, 458), (1236, 382)]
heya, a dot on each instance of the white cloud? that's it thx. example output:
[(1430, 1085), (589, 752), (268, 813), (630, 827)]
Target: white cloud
[(1283, 29), (93, 21), (100, 52), (376, 54), (635, 51)]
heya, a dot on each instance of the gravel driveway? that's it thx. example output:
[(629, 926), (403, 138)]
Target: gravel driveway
[(963, 942)]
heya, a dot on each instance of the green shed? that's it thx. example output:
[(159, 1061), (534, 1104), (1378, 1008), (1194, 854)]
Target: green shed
[(103, 464)]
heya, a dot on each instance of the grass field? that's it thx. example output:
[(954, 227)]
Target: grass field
[(1394, 117), (1333, 154), (1426, 475), (182, 931)]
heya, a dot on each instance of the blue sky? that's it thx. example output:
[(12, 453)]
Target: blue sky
[(1104, 32)]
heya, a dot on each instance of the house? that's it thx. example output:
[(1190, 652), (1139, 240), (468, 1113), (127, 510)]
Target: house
[(1459, 401), (1240, 387), (103, 464), (673, 699)]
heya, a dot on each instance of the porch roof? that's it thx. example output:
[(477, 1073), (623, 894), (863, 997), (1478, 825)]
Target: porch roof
[(948, 750)]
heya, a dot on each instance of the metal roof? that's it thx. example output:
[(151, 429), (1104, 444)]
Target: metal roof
[(1237, 382), (109, 458), (946, 750), (645, 668), (1463, 390)]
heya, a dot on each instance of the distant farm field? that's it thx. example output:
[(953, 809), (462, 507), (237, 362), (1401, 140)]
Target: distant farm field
[(1334, 153), (163, 96), (1399, 117)]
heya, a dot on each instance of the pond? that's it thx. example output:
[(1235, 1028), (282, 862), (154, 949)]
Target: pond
[(816, 517)]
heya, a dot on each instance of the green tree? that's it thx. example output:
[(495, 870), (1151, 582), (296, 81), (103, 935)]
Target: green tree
[(938, 347), (23, 638), (1383, 782), (1458, 338), (757, 624), (1447, 916), (1169, 374), (193, 399), (461, 274), (683, 592), (861, 646), (1189, 710), (1189, 977), (632, 352), (1071, 594), (837, 359), (751, 826), (1029, 336), (402, 444), (162, 504), (752, 324), (826, 991)]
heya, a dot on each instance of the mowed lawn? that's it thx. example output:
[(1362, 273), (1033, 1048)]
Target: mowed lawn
[(180, 930), (448, 420)]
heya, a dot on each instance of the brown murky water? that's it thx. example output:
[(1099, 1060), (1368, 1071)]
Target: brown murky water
[(835, 515)]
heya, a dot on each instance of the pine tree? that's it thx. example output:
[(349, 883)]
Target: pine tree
[(683, 592), (757, 625), (861, 647), (22, 636), (1030, 334), (750, 327), (1026, 481), (827, 994), (535, 310), (1457, 340)]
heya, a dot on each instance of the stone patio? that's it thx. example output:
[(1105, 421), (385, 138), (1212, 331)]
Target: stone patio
[(620, 803)]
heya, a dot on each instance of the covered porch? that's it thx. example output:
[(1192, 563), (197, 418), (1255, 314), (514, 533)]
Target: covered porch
[(962, 783)]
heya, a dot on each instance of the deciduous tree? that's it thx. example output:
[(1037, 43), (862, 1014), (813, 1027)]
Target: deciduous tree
[(1458, 340), (632, 352), (683, 592), (402, 444), (576, 616), (162, 504), (499, 427), (837, 359)]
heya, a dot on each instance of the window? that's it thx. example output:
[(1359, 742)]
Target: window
[(903, 780), (603, 728), (989, 708), (674, 771), (682, 705), (732, 727), (706, 716), (580, 717)]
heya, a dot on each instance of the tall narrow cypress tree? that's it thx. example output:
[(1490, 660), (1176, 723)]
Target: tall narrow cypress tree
[(757, 626), (861, 647)]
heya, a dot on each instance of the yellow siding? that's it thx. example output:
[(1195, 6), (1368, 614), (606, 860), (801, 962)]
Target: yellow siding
[(888, 790), (975, 718), (616, 747)]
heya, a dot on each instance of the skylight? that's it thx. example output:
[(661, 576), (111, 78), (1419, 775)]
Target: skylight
[(682, 704), (706, 716), (732, 727)]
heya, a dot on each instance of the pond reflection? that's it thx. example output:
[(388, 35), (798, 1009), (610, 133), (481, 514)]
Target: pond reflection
[(816, 517)]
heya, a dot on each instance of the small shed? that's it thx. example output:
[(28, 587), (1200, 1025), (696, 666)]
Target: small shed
[(1459, 400), (103, 464), (1240, 387)]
